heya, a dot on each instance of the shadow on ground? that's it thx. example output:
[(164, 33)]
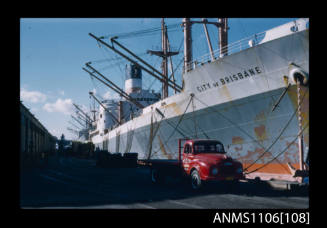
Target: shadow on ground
[(69, 182)]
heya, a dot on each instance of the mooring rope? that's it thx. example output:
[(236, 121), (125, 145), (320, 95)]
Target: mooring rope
[(283, 151), (176, 126), (273, 143)]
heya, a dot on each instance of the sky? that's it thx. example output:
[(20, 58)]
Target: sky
[(54, 50)]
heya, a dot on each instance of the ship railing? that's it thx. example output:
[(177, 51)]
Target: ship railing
[(232, 48)]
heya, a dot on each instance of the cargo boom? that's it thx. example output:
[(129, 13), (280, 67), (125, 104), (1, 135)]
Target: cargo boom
[(254, 100)]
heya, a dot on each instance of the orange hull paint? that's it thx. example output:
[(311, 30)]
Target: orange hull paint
[(273, 168)]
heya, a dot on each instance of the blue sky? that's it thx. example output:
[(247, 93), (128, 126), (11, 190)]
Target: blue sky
[(54, 50)]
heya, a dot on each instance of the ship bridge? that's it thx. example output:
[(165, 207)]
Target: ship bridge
[(124, 109)]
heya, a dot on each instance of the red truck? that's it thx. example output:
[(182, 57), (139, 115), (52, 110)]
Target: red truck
[(202, 160)]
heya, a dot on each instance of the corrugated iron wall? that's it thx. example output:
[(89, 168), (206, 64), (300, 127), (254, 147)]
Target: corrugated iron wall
[(36, 143)]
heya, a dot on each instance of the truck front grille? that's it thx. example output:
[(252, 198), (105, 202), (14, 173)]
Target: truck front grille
[(226, 170)]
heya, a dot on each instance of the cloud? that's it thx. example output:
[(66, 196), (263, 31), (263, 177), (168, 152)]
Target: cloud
[(108, 95), (63, 106), (55, 132), (62, 93), (32, 96), (84, 108), (58, 132), (34, 110), (149, 20)]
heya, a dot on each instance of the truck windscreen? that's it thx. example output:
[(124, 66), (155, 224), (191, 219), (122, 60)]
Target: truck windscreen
[(208, 147)]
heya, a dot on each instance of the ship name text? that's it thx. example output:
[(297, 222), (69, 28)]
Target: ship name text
[(230, 79)]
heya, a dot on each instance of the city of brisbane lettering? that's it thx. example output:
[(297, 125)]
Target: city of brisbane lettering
[(229, 79)]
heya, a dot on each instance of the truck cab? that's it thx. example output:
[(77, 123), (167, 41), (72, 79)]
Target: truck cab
[(200, 160), (206, 160)]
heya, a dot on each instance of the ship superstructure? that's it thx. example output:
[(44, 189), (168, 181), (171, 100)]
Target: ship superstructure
[(252, 95), (114, 112)]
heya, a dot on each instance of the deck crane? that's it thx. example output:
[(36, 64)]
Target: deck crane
[(73, 131), (112, 116), (165, 54), (82, 118), (85, 115), (78, 121), (158, 75), (78, 128), (112, 85)]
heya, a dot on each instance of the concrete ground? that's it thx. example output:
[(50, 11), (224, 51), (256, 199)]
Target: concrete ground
[(68, 182)]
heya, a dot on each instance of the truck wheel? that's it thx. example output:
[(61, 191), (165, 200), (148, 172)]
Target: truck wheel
[(233, 185), (195, 180), (155, 178)]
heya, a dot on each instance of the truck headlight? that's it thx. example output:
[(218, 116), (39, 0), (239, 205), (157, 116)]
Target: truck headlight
[(214, 171), (239, 170)]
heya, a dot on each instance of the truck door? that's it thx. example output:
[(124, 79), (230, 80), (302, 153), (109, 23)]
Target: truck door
[(187, 157)]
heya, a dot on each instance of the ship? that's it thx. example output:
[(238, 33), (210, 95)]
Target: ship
[(252, 95)]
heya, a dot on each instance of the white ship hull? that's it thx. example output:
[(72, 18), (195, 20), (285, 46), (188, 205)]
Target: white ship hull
[(232, 101)]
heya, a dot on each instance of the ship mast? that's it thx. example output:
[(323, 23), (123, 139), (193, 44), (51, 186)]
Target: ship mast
[(208, 39), (223, 41), (158, 76), (164, 54), (187, 43), (93, 110), (223, 37), (164, 59)]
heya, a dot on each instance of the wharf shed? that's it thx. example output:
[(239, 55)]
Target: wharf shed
[(36, 143)]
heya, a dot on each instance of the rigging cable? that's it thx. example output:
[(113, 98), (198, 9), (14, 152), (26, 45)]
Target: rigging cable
[(154, 80), (195, 124), (283, 151), (245, 33), (194, 119), (153, 134), (233, 124), (176, 126), (266, 150), (236, 125), (247, 133), (139, 33), (243, 130), (103, 50), (177, 66)]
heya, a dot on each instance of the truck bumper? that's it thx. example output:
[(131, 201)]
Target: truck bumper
[(224, 178)]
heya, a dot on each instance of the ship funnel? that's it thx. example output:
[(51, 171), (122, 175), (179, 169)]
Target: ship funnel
[(133, 80)]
